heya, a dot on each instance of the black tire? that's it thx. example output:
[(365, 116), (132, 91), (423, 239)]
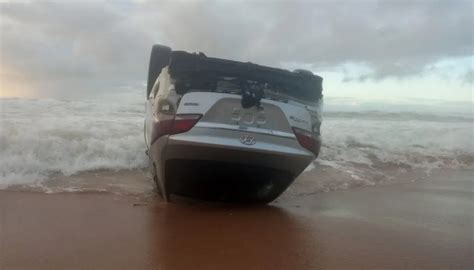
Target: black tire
[(159, 58)]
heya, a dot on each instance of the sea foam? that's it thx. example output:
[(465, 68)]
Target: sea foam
[(43, 137), (40, 138)]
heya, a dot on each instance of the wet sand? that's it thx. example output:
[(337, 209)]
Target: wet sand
[(427, 224)]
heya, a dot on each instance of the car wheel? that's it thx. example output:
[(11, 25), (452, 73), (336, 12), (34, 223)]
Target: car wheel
[(159, 58)]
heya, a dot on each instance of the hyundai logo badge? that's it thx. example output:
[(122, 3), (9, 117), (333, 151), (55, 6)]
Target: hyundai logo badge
[(247, 140)]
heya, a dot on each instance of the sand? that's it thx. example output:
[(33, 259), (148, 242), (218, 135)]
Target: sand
[(426, 224)]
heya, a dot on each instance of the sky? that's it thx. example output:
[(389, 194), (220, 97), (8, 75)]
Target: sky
[(362, 49)]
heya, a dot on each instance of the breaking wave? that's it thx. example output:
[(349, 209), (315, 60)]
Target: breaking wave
[(44, 137), (41, 138), (363, 145)]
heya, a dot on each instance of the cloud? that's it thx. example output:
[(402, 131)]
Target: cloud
[(105, 42), (394, 38), (71, 47), (468, 77)]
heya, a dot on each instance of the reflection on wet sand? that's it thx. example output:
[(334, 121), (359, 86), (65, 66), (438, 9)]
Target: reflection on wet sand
[(420, 225), (230, 237)]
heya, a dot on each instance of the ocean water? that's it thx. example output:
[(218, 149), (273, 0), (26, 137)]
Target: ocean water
[(40, 138), (43, 138)]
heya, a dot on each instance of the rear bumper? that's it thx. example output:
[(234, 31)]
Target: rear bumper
[(273, 152), (214, 164)]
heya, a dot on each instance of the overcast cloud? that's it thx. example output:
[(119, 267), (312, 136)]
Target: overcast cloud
[(97, 45)]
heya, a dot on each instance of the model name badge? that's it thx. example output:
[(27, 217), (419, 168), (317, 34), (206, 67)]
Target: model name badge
[(191, 104), (247, 140), (298, 120)]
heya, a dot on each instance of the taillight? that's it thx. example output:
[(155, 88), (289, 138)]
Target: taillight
[(162, 126), (169, 124), (307, 140), (184, 122)]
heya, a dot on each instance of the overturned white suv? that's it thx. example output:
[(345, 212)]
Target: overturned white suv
[(226, 130)]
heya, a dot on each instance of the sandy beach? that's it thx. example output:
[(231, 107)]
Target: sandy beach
[(425, 224)]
